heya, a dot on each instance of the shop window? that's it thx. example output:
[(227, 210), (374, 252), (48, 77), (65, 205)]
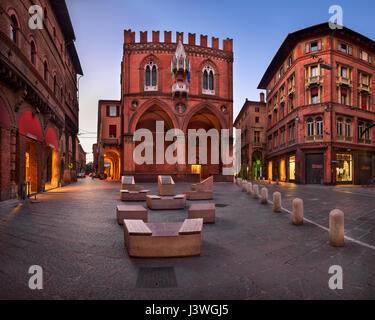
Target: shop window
[(292, 168), (344, 170)]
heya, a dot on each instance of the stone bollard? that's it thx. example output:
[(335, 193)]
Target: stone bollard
[(244, 186), (255, 191), (250, 188), (264, 196), (336, 228), (297, 212), (277, 202)]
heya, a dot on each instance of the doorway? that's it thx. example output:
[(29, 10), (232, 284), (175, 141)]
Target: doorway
[(31, 166), (314, 168)]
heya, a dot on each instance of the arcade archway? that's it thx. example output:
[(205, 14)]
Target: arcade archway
[(207, 120), (148, 121), (112, 165)]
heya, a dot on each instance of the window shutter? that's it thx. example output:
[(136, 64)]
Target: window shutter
[(344, 92), (107, 111), (350, 50), (117, 111), (364, 101), (320, 45), (340, 46), (360, 54), (307, 49)]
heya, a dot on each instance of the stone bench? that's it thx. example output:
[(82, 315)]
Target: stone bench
[(126, 195), (134, 212), (201, 191), (166, 203), (163, 240), (203, 210), (128, 183), (166, 186)]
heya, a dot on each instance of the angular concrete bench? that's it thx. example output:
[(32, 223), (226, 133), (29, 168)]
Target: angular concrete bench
[(201, 191), (203, 210), (163, 240), (128, 183), (166, 186), (166, 203), (134, 212), (126, 195)]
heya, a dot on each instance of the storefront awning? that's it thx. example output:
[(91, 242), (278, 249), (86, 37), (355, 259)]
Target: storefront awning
[(51, 139), (29, 126)]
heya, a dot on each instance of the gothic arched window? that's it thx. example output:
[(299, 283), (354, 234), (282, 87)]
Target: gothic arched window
[(13, 28), (151, 76), (32, 51), (208, 80), (45, 70)]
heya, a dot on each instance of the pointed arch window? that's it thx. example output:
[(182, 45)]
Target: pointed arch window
[(151, 77), (45, 70), (54, 84), (32, 52), (13, 28), (208, 80)]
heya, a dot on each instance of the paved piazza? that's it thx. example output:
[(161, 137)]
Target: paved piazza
[(250, 253)]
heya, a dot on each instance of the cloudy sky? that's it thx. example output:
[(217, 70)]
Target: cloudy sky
[(257, 27)]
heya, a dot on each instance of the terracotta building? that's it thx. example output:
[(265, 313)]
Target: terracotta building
[(252, 121), (320, 106), (38, 98), (185, 85)]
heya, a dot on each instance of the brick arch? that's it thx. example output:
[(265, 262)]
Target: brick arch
[(199, 107), (147, 105), (7, 116)]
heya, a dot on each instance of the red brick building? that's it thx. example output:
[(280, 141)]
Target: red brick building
[(38, 98), (320, 101), (186, 85), (252, 121)]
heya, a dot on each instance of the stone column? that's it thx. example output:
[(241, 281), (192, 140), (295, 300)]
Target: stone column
[(129, 165)]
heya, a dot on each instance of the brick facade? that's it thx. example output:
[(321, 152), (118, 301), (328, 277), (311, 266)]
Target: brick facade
[(38, 94), (315, 89), (179, 103)]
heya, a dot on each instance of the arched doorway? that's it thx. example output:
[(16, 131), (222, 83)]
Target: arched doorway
[(148, 121), (207, 120), (112, 165), (256, 165), (29, 127)]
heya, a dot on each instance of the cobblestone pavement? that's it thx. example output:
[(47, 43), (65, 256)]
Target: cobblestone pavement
[(250, 253), (357, 203)]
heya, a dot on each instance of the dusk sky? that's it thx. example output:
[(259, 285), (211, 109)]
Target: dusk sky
[(257, 27)]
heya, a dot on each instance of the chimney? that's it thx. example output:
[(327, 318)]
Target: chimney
[(262, 97)]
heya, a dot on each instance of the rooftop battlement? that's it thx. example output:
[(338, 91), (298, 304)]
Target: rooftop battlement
[(129, 37)]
